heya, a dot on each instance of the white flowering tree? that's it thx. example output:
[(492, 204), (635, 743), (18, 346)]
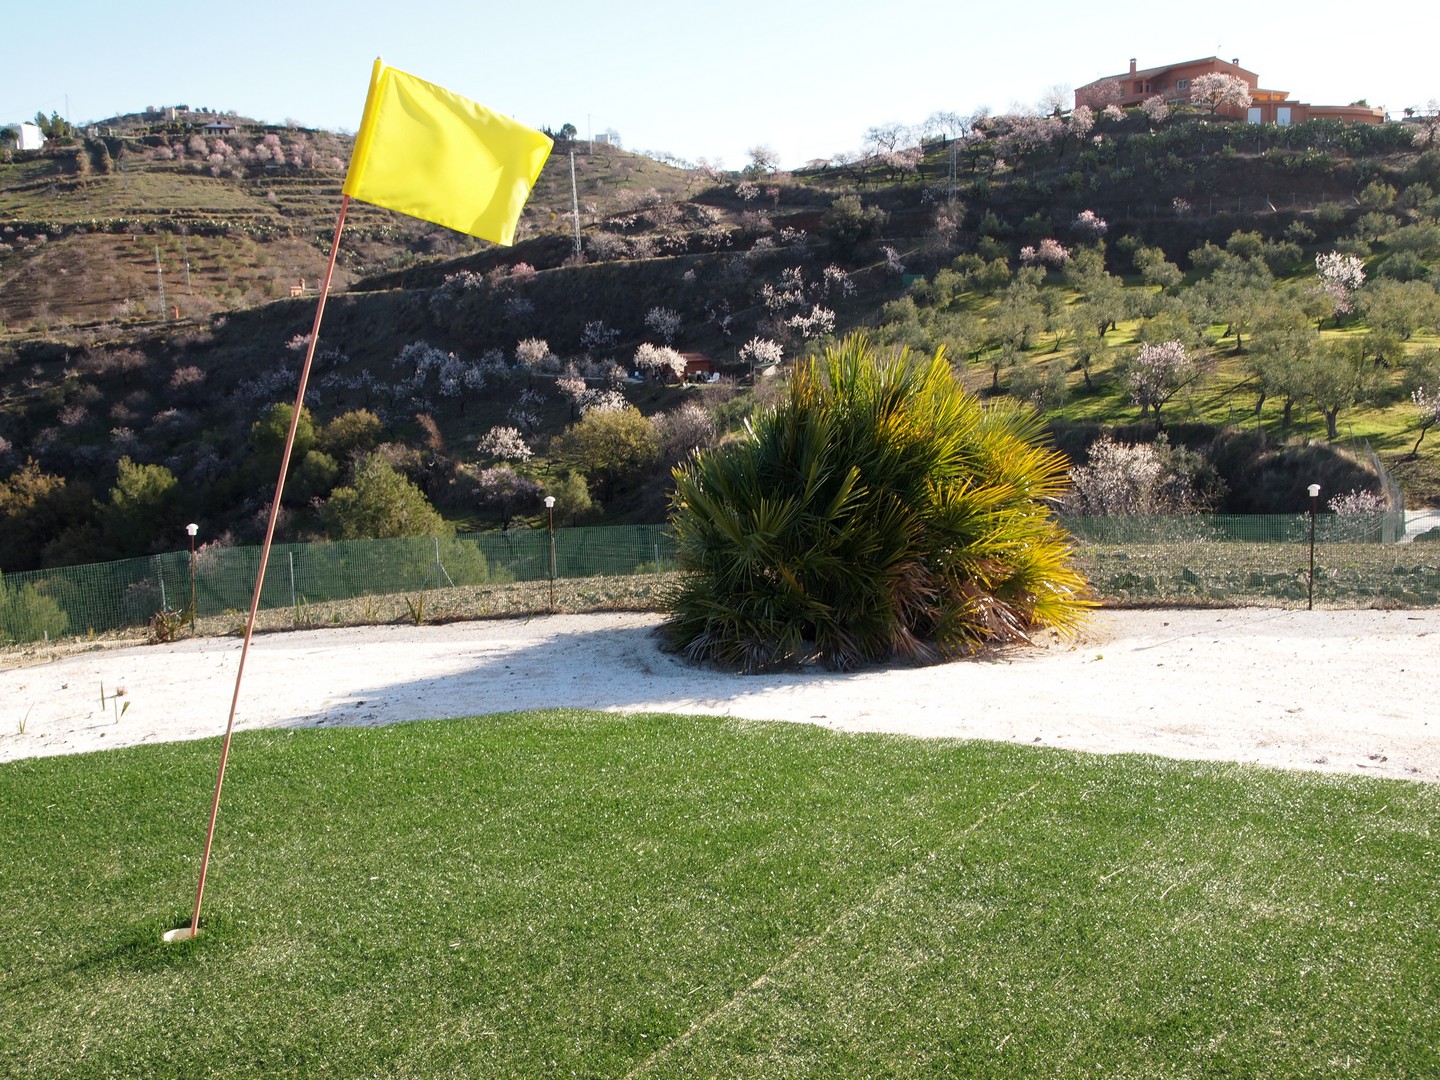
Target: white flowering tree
[(1158, 373), (1427, 407), (1340, 276), (1118, 478), (1359, 515), (1091, 225), (452, 379), (1217, 91), (759, 351), (659, 360), (533, 355), (1049, 252), (1427, 132), (608, 400), (816, 323), (836, 282), (597, 338), (503, 443), (1101, 95), (419, 358), (1356, 503), (572, 388), (1345, 270), (683, 431), (1155, 109), (664, 323)]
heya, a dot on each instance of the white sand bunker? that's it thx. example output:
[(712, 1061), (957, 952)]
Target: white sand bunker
[(1330, 690)]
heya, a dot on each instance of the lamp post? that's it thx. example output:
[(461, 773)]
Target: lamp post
[(192, 529), (1314, 500), (550, 512)]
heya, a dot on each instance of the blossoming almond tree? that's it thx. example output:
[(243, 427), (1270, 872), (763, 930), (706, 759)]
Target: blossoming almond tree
[(758, 351), (1427, 404), (1158, 373), (533, 354), (662, 360), (1220, 91), (1090, 224), (664, 323), (1117, 479), (504, 443), (1050, 252), (1340, 276), (817, 323)]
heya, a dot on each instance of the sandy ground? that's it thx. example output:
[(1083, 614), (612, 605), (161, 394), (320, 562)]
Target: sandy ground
[(1329, 690)]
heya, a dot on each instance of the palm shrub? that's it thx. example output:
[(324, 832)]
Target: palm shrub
[(879, 511)]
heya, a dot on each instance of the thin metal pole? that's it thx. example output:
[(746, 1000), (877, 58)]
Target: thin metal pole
[(551, 511), (264, 562), (192, 583), (1310, 602)]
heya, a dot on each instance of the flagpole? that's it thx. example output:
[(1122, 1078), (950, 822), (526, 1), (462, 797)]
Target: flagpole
[(194, 928)]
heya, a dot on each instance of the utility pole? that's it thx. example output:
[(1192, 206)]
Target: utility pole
[(575, 204)]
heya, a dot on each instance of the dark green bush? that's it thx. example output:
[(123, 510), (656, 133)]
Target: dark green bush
[(879, 511)]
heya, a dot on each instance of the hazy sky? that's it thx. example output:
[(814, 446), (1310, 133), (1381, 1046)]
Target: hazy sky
[(695, 79)]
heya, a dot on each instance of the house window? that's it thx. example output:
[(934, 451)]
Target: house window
[(1182, 84)]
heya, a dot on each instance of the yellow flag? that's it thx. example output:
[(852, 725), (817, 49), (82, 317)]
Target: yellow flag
[(434, 155)]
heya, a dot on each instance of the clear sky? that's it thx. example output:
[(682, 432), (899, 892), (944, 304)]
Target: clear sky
[(696, 79)]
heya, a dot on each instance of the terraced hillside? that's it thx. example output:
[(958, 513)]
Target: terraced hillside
[(1042, 264)]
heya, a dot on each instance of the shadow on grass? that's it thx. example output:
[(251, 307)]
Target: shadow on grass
[(134, 946)]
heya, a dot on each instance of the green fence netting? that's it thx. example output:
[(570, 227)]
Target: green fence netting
[(1192, 559), (128, 593), (1257, 560)]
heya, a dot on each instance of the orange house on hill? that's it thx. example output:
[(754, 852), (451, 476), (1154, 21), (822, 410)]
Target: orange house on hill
[(1172, 83)]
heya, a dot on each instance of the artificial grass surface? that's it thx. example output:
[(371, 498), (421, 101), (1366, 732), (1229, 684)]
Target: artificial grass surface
[(585, 894)]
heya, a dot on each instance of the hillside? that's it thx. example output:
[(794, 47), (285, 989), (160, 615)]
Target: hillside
[(1207, 233), (229, 222)]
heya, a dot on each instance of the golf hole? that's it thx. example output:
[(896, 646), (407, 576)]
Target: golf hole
[(182, 933)]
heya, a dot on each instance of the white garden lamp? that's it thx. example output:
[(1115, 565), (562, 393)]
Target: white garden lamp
[(192, 529), (550, 512)]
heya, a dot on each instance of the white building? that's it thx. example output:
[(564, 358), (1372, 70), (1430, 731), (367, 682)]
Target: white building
[(30, 137)]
